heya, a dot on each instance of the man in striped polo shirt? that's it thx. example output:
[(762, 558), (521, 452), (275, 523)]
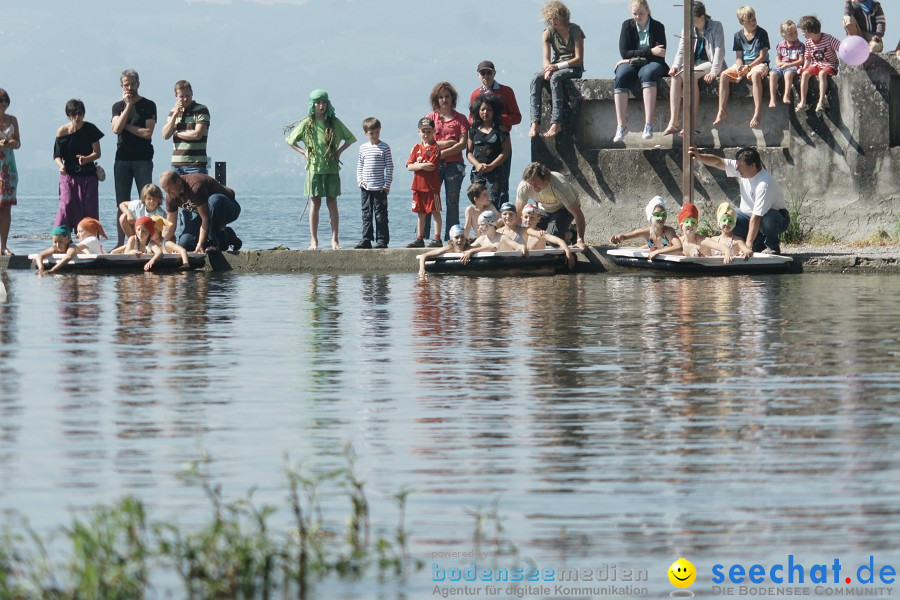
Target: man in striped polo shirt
[(187, 125)]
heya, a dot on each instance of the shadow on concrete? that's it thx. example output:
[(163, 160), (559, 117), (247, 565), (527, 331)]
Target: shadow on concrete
[(657, 161)]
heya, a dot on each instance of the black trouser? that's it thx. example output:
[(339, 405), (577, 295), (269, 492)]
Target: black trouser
[(375, 201)]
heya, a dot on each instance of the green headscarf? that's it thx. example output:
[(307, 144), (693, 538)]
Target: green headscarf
[(62, 230), (320, 95)]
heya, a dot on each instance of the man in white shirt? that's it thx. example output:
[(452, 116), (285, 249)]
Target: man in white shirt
[(763, 214)]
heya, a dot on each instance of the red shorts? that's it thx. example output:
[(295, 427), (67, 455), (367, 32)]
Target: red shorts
[(423, 202), (814, 70)]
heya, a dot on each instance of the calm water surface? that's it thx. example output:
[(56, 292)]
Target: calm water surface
[(612, 419)]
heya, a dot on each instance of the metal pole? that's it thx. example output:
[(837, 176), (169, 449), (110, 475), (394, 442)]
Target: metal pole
[(687, 79)]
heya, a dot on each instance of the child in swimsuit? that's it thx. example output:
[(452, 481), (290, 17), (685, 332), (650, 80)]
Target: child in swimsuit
[(658, 235), (61, 238), (142, 241), (536, 239), (491, 240), (459, 242), (688, 220), (481, 201), (89, 232), (723, 245)]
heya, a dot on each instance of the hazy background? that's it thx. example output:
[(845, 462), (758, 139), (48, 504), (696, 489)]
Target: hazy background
[(254, 63)]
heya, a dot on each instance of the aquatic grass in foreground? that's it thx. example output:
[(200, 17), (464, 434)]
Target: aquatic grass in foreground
[(112, 552)]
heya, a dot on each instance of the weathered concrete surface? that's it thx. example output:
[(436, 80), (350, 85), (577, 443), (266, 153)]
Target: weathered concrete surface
[(401, 260), (840, 171)]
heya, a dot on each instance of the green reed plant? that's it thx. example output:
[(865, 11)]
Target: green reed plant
[(800, 229), (112, 551)]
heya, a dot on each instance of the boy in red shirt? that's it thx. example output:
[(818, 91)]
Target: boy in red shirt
[(423, 162), (820, 60)]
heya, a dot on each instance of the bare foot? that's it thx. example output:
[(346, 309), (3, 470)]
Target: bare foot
[(335, 245), (754, 122), (533, 131), (786, 100), (671, 129), (772, 103), (555, 129), (313, 246), (720, 117)]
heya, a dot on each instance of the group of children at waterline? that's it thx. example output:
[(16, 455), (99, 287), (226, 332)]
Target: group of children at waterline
[(663, 239), (143, 222)]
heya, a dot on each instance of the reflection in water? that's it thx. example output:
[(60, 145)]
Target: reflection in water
[(634, 417), (11, 400), (79, 368), (323, 341)]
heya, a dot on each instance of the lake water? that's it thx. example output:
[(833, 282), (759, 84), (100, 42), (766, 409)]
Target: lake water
[(612, 420)]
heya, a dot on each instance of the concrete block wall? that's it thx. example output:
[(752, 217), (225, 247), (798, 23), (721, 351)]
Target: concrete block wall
[(841, 169)]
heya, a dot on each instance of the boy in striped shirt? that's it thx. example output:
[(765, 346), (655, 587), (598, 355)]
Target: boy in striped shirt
[(374, 174), (820, 60)]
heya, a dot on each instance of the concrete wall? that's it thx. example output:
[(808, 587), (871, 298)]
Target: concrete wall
[(841, 168)]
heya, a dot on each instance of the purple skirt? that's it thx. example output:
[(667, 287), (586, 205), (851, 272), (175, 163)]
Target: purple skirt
[(79, 197)]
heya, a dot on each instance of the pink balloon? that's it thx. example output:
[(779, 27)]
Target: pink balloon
[(854, 50)]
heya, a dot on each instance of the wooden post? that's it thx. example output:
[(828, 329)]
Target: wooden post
[(687, 79)]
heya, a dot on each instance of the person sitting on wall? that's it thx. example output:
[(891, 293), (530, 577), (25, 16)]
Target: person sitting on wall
[(866, 19), (556, 198), (763, 214)]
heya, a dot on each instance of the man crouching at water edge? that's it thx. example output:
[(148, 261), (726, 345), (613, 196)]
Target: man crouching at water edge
[(205, 206), (556, 198), (763, 215)]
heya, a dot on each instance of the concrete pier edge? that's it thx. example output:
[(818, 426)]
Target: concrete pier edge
[(402, 260)]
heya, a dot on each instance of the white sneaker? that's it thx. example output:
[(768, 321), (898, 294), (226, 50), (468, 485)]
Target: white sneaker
[(621, 132), (648, 131)]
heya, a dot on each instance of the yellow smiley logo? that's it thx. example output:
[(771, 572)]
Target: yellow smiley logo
[(682, 573)]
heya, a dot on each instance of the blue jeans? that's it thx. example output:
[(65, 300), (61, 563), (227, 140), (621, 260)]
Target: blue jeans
[(189, 169), (773, 223), (126, 172), (627, 76), (451, 176), (557, 94), (222, 211)]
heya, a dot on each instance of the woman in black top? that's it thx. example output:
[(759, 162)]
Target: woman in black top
[(642, 45), (77, 147)]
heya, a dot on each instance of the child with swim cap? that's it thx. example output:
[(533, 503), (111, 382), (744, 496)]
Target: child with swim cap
[(536, 239), (723, 245), (658, 235), (688, 220), (142, 241), (459, 242), (491, 240), (168, 246), (61, 240), (89, 231)]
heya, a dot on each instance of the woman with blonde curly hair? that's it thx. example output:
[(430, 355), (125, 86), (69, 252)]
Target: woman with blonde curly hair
[(563, 46)]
